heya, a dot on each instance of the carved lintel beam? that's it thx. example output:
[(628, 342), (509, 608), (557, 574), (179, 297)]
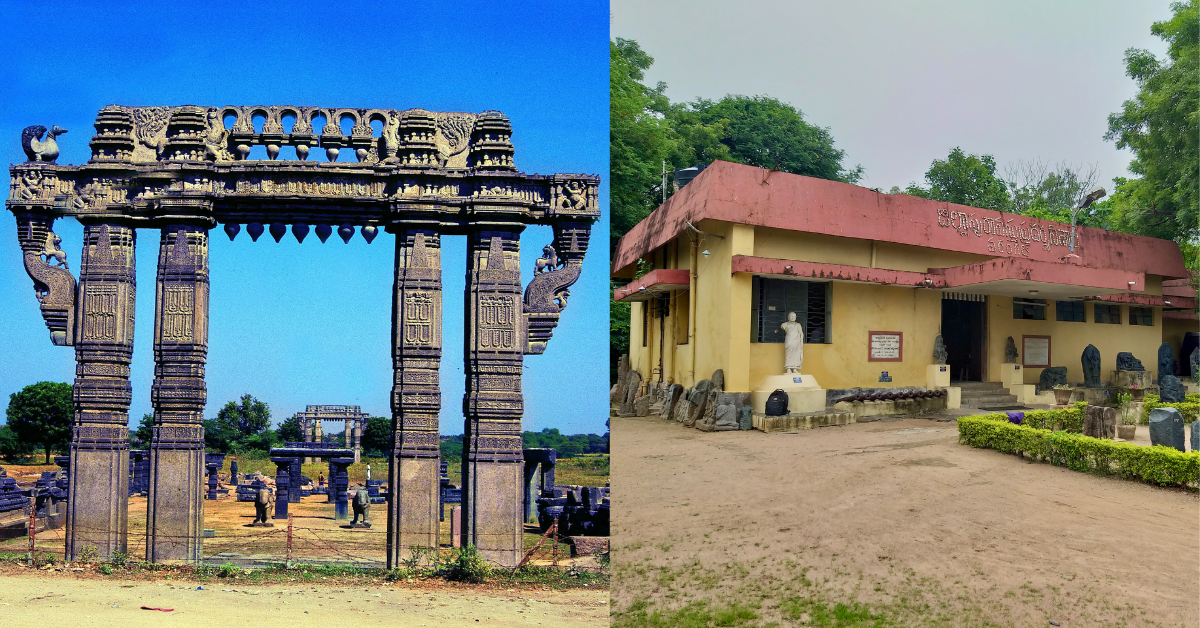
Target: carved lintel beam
[(555, 272), (53, 283)]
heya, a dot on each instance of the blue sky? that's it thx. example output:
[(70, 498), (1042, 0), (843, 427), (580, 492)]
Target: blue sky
[(296, 324)]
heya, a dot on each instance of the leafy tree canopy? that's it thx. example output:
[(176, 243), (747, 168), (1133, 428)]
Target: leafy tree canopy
[(377, 438), (141, 436), (964, 179), (290, 430), (247, 418), (12, 447), (1161, 125), (758, 131), (40, 414)]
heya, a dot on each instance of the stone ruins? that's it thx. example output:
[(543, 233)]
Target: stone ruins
[(180, 171)]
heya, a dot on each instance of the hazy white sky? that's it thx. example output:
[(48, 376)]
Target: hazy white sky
[(901, 83)]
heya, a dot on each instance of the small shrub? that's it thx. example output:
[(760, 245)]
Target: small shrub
[(228, 571), (468, 566), (118, 559), (106, 569), (87, 554)]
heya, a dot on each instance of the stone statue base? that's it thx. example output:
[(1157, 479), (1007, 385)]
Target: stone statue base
[(357, 525), (804, 393), (1129, 379), (260, 524), (937, 376)]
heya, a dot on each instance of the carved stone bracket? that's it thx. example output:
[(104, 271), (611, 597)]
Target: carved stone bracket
[(555, 272), (54, 284)]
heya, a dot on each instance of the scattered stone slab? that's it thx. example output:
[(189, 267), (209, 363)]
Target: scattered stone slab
[(1100, 422), (800, 421), (1170, 389), (641, 405), (1166, 428), (588, 545), (1126, 362)]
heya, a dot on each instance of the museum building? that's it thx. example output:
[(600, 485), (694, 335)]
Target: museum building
[(874, 278)]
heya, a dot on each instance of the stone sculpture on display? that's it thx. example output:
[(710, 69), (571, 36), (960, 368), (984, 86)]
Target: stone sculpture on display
[(1091, 367), (1126, 362), (940, 355), (262, 500), (1194, 365), (793, 344), (362, 509), (178, 170), (1051, 377), (1166, 361), (1010, 351), (1166, 428), (1170, 389)]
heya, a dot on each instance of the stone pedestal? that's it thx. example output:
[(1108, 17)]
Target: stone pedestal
[(1129, 379), (804, 393), (414, 506), (283, 483), (98, 498), (937, 376), (175, 509)]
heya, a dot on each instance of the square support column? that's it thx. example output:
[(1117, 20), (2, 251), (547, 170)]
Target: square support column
[(413, 481), (175, 508), (98, 502), (493, 474), (339, 483)]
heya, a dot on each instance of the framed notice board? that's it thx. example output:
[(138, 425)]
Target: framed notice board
[(885, 346), (1035, 351)]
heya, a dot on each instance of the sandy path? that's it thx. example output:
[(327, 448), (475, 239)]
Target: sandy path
[(894, 514), (33, 599)]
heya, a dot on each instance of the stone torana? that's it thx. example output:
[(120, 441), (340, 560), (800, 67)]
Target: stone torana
[(183, 171)]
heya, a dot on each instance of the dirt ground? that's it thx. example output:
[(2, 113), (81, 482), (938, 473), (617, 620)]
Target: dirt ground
[(30, 599), (896, 522)]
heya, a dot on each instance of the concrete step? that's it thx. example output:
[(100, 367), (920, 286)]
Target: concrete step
[(990, 400)]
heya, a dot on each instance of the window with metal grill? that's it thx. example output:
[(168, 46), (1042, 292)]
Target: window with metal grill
[(772, 299), (1104, 313), (1141, 316), (1070, 311), (1029, 309)]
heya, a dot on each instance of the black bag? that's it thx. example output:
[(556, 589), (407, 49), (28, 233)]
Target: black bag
[(777, 403)]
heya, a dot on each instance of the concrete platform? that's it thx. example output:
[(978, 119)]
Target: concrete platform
[(800, 421)]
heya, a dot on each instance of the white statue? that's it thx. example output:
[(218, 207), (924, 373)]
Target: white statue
[(793, 344), (368, 473)]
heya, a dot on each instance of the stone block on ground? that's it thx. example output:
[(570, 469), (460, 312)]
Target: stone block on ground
[(1170, 389), (633, 386), (726, 418), (745, 418), (670, 399), (627, 410), (588, 545), (718, 379), (1100, 422), (641, 405), (1166, 428), (1196, 435)]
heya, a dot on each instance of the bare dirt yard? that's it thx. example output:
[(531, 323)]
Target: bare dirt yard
[(888, 523), (29, 598)]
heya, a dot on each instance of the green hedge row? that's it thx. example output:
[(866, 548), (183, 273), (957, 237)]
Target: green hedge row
[(1189, 407), (1065, 419), (1154, 465)]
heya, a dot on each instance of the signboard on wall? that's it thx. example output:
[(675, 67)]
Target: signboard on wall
[(1035, 351), (885, 346)]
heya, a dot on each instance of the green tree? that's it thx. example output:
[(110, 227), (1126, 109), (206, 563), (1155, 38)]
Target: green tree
[(964, 179), (248, 418), (758, 131), (1051, 193), (1161, 125), (377, 438), (141, 436), (216, 438), (12, 447), (290, 430), (640, 137), (40, 414)]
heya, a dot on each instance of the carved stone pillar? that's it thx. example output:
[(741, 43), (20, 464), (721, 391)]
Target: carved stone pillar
[(175, 511), (97, 511), (413, 475), (495, 342), (358, 425)]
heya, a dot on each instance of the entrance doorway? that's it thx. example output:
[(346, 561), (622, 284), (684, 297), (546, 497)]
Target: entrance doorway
[(963, 331)]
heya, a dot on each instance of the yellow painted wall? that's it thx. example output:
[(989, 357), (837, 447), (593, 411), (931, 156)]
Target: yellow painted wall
[(721, 317), (857, 309), (1173, 330), (1068, 340)]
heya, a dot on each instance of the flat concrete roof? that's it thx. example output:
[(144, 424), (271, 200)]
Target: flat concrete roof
[(749, 195)]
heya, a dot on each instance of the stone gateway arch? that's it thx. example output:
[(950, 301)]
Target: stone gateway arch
[(179, 170)]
